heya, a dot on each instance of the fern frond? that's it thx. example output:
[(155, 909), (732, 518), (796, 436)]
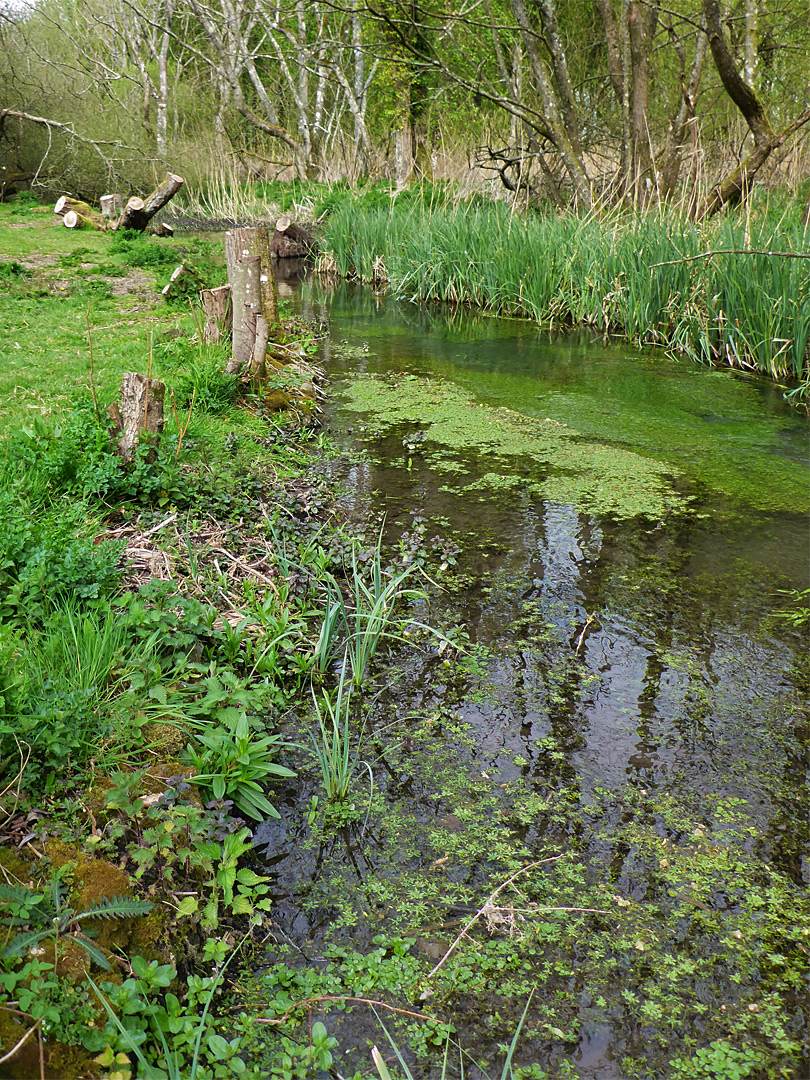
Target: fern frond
[(93, 951)]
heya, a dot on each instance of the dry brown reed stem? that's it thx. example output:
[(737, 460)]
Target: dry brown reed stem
[(488, 904), (733, 251), (19, 1045), (581, 637), (15, 783), (184, 428)]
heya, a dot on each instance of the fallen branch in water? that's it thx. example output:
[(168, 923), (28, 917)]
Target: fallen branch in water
[(488, 906)]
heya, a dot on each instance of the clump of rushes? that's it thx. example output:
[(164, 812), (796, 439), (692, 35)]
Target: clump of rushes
[(716, 296)]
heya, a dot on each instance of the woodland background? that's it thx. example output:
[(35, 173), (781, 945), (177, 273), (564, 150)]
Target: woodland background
[(561, 101)]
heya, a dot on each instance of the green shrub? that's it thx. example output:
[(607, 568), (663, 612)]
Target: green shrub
[(138, 250), (76, 457)]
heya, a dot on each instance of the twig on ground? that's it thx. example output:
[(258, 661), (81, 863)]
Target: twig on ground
[(481, 911)]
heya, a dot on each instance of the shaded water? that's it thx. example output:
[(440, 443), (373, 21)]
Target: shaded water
[(626, 662)]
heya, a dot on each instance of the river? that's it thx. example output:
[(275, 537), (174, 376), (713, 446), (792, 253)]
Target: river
[(611, 532)]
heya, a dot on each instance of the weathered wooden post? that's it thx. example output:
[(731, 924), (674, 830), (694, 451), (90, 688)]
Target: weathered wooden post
[(254, 299)]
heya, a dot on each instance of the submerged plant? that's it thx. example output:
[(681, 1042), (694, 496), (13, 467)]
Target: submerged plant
[(798, 614)]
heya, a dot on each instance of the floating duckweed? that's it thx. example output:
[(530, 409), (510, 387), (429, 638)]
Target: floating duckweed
[(546, 457)]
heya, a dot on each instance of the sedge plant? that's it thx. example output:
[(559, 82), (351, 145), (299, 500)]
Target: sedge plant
[(337, 757)]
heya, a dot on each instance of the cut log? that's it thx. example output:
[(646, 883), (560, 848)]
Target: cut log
[(247, 307), (83, 214), (112, 206), (163, 229), (292, 241), (167, 288), (139, 212), (65, 203), (139, 418), (72, 220), (218, 313)]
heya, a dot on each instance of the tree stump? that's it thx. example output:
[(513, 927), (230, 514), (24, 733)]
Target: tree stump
[(254, 294), (111, 207), (247, 243), (139, 418), (139, 212), (218, 313), (291, 241), (132, 214)]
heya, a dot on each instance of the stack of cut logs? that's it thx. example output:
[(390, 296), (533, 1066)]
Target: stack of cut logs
[(117, 212)]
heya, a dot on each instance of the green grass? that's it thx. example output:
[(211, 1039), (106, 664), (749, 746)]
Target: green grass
[(751, 311), (67, 286)]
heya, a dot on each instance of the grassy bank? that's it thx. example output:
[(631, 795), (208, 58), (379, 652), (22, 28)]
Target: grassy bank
[(156, 621), (657, 280)]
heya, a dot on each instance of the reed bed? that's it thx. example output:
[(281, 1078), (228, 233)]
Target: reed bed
[(656, 279)]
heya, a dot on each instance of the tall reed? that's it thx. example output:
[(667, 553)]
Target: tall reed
[(649, 278)]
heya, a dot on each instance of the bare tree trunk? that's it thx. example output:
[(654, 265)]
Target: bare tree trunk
[(751, 42), (735, 186), (139, 418), (403, 141), (555, 129), (565, 91), (683, 123), (642, 20)]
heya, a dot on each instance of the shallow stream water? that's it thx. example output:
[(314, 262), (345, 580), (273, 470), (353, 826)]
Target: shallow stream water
[(625, 525)]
